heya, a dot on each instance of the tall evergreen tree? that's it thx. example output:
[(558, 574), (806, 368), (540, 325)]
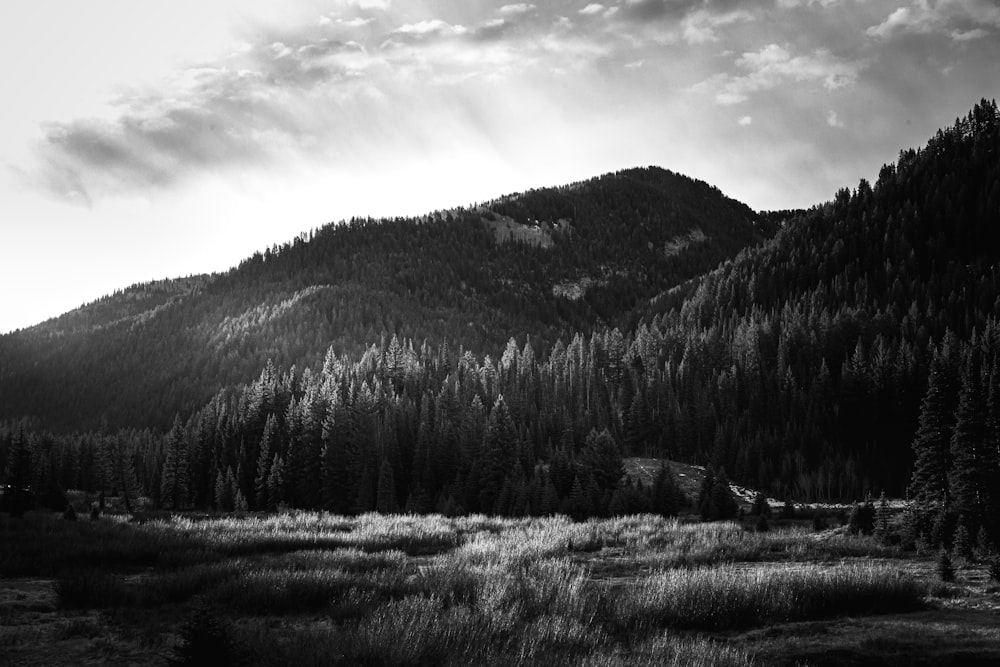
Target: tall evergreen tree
[(932, 444), (268, 448), (969, 477), (174, 487), (386, 491)]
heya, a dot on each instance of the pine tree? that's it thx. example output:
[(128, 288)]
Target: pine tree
[(722, 502), (667, 495), (760, 505), (386, 494), (499, 456), (225, 487), (276, 483), (967, 479), (862, 518), (268, 448), (945, 569), (931, 447), (174, 487), (601, 460), (705, 494), (882, 515), (963, 542)]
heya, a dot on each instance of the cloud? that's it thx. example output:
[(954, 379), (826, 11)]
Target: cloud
[(428, 28), (515, 10), (744, 121), (244, 111), (833, 120), (592, 8), (967, 35), (773, 66), (701, 26), (644, 11), (962, 20), (791, 4)]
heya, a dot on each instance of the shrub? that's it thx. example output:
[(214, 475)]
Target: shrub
[(862, 519), (788, 509), (994, 568), (760, 505), (206, 639)]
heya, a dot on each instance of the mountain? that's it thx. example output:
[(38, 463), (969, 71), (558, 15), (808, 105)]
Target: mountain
[(855, 351), (811, 352), (546, 263)]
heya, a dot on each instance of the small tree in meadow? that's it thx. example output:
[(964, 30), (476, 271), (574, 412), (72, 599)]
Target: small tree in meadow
[(963, 542), (862, 519), (882, 518), (760, 505), (788, 509), (945, 569)]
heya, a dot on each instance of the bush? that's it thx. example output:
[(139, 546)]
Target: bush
[(760, 505), (994, 568), (206, 639), (788, 509), (862, 519)]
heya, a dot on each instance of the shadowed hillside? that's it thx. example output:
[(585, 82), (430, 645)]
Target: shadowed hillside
[(141, 355)]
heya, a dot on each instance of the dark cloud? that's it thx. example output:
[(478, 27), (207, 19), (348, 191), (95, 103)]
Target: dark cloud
[(652, 10)]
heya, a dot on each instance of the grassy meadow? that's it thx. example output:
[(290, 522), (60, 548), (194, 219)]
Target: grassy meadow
[(305, 588)]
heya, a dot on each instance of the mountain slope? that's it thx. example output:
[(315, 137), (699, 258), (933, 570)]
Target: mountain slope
[(581, 256), (829, 329), (800, 367)]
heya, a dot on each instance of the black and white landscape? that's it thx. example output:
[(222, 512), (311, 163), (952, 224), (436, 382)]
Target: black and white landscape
[(742, 408)]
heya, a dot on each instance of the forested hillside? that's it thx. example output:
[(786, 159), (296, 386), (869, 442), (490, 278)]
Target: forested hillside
[(800, 366), (603, 247)]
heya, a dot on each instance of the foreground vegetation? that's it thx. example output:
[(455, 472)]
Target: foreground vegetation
[(309, 588)]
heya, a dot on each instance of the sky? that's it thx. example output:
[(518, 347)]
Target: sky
[(142, 140)]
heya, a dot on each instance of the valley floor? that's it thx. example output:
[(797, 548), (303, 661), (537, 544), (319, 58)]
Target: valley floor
[(307, 588)]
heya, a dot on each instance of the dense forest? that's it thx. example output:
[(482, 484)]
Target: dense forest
[(583, 257), (818, 363)]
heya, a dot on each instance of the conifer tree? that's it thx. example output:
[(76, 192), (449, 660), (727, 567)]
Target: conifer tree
[(386, 493), (499, 456), (341, 463), (722, 502), (967, 479), (931, 447), (705, 494), (276, 483), (666, 495), (601, 460), (174, 487), (268, 448), (760, 505)]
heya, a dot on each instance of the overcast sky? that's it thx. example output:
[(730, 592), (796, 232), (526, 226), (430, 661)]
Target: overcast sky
[(143, 140)]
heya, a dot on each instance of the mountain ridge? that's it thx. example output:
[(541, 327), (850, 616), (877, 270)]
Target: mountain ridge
[(440, 276)]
